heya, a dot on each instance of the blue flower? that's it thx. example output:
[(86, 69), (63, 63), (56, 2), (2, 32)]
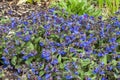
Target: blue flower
[(28, 76), (6, 62), (109, 68), (10, 12), (112, 40), (66, 68), (53, 49), (108, 49), (39, 78), (75, 65), (47, 76), (33, 70), (41, 44), (100, 17), (72, 50), (30, 55), (76, 73), (62, 52), (88, 27), (45, 55), (19, 70), (63, 27), (67, 38), (117, 32), (96, 70), (13, 24), (103, 78), (54, 62), (34, 20), (89, 78), (102, 72), (25, 23), (26, 38), (83, 38), (68, 77), (58, 44), (100, 54), (6, 51), (46, 27), (102, 34), (3, 57), (25, 57)]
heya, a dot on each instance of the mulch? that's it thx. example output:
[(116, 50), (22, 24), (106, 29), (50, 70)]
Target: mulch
[(18, 11)]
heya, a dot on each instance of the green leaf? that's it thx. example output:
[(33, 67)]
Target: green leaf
[(42, 67), (30, 46), (37, 40), (85, 62), (74, 59), (13, 61), (41, 73), (104, 59), (59, 58), (29, 60), (61, 66), (114, 62), (116, 75)]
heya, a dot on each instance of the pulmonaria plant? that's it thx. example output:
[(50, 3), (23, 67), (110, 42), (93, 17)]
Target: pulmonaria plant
[(51, 47)]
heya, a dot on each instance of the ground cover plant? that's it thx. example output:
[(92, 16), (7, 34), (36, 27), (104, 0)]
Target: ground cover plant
[(45, 46)]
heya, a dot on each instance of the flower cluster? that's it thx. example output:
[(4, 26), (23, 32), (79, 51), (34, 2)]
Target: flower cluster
[(51, 47)]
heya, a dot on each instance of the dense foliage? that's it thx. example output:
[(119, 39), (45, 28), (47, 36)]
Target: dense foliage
[(78, 7), (47, 46)]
